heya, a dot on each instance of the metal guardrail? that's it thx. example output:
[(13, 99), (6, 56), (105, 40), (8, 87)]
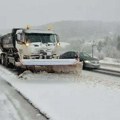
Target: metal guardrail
[(111, 70), (110, 64), (107, 72)]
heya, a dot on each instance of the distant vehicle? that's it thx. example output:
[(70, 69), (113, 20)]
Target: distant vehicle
[(69, 55), (88, 61)]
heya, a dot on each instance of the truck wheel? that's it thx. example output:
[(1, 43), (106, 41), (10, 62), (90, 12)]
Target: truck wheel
[(6, 61), (3, 59)]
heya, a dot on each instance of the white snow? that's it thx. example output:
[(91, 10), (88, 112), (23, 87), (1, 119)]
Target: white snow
[(7, 110), (113, 61), (48, 61), (91, 96), (64, 44), (110, 63)]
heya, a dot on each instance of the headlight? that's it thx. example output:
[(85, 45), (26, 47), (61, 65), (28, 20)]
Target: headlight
[(27, 44), (58, 44), (86, 61)]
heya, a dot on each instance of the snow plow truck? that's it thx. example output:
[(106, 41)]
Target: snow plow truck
[(36, 50)]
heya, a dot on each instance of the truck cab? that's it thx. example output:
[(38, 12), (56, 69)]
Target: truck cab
[(36, 44), (28, 44)]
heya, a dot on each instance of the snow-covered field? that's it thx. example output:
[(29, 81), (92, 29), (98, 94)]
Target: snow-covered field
[(91, 96)]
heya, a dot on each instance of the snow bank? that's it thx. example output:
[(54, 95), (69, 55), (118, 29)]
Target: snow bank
[(7, 109), (110, 61)]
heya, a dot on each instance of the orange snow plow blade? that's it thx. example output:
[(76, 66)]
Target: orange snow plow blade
[(52, 65)]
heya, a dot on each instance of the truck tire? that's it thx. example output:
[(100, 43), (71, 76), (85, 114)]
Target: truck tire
[(6, 61), (3, 59)]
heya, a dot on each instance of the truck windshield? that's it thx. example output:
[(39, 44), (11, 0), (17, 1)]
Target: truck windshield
[(37, 37)]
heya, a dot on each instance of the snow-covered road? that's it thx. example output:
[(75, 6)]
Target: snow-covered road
[(14, 107), (7, 111), (91, 96)]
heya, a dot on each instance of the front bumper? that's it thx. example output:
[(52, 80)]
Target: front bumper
[(91, 65)]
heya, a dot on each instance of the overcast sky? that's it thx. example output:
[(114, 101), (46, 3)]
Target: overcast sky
[(19, 13)]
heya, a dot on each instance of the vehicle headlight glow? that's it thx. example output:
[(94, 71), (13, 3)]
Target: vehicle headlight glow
[(86, 61), (58, 44), (27, 44)]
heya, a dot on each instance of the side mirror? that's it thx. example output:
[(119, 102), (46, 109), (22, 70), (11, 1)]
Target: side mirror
[(57, 38), (19, 37)]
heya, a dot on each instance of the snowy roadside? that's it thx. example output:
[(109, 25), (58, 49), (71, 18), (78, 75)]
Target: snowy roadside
[(68, 97), (7, 110), (110, 63)]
